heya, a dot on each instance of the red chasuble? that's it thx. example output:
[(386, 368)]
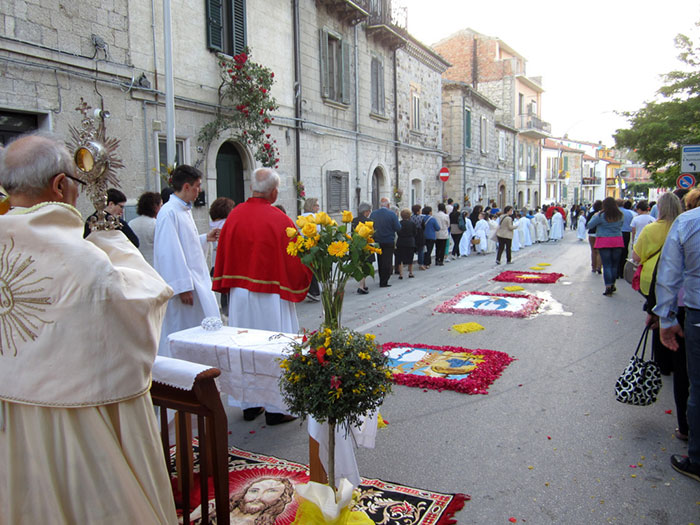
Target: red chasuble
[(252, 253)]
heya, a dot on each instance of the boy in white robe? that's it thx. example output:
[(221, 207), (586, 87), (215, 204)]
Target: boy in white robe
[(516, 244), (493, 228), (557, 231), (541, 227), (481, 231), (465, 244), (524, 228), (178, 256), (581, 228)]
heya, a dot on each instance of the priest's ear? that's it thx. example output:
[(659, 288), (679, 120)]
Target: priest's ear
[(63, 189)]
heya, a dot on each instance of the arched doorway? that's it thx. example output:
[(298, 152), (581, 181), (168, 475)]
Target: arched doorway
[(229, 173), (416, 192), (377, 181), (520, 200), (502, 196), (536, 200)]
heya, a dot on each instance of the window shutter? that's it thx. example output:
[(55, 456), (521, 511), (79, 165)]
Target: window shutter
[(380, 85), (324, 62), (467, 128), (338, 195), (375, 85), (239, 26), (345, 99), (215, 26)]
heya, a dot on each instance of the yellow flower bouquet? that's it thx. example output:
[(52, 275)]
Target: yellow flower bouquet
[(334, 252)]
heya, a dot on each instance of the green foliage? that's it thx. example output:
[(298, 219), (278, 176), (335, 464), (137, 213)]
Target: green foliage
[(659, 129), (245, 95), (640, 187), (335, 375)]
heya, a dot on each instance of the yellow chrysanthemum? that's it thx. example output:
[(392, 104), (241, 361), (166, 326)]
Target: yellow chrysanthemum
[(308, 230), (363, 355), (292, 249), (370, 337), (309, 242), (338, 248), (291, 232), (347, 216)]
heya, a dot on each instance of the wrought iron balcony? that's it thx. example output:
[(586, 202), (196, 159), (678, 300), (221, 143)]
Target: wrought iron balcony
[(531, 124), (351, 11), (590, 181), (388, 21)]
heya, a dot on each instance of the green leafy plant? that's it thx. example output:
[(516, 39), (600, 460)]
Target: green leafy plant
[(247, 107), (336, 376)]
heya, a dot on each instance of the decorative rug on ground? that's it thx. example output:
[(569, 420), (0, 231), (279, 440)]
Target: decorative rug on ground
[(385, 503), (485, 303), (528, 277), (446, 367)]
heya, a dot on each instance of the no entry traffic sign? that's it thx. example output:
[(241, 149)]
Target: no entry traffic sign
[(444, 174), (685, 181)]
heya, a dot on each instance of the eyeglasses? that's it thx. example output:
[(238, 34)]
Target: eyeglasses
[(120, 205), (82, 182)]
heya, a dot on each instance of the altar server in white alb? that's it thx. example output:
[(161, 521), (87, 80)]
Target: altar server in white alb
[(178, 256), (541, 226), (481, 231), (557, 231), (78, 436)]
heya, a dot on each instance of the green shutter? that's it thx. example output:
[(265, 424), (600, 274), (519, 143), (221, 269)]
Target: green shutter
[(467, 128), (239, 26), (215, 26), (380, 95), (346, 53), (374, 79), (324, 62)]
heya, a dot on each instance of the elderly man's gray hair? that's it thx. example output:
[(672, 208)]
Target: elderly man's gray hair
[(27, 167), (264, 180)]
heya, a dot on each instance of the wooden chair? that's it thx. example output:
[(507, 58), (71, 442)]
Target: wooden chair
[(204, 401)]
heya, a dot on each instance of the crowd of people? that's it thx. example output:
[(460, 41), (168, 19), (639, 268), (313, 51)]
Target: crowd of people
[(72, 290)]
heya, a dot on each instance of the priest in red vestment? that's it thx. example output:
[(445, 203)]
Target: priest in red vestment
[(252, 265)]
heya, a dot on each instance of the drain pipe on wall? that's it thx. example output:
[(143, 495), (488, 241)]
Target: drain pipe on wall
[(396, 121), (297, 99), (358, 188)]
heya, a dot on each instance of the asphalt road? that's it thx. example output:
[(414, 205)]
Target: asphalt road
[(548, 443)]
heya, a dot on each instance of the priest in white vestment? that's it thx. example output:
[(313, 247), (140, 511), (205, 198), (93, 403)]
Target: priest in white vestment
[(541, 226), (557, 230), (179, 258), (78, 436), (524, 228)]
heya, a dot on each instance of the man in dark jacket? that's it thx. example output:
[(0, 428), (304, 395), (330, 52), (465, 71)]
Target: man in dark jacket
[(386, 225)]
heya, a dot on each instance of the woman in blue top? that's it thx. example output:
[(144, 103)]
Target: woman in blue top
[(608, 240)]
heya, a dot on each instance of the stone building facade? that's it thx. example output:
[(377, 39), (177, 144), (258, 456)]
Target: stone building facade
[(359, 98), (497, 71), (481, 150), (563, 174)]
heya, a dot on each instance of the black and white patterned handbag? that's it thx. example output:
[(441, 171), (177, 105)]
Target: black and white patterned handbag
[(640, 382)]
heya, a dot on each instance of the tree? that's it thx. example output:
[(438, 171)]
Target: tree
[(660, 128)]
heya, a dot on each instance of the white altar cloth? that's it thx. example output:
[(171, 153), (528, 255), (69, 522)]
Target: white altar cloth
[(250, 372)]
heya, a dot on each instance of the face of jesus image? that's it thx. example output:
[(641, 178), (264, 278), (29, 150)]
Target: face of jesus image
[(261, 495)]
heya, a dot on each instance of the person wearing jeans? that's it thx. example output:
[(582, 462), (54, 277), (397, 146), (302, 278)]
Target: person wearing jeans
[(431, 227), (386, 224), (679, 267), (608, 241), (504, 234)]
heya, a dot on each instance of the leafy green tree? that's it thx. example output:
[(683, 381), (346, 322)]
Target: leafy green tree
[(660, 128)]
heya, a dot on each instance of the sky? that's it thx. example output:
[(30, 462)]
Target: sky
[(595, 57)]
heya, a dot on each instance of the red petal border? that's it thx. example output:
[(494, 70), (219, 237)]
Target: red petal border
[(478, 381), (513, 277), (530, 308)]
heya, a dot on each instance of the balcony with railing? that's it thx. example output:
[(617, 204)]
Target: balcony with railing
[(591, 181), (350, 11), (532, 125), (387, 22)]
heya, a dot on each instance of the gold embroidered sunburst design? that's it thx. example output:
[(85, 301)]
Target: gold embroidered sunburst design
[(22, 298)]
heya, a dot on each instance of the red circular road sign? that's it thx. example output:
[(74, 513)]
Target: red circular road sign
[(444, 174), (685, 181)]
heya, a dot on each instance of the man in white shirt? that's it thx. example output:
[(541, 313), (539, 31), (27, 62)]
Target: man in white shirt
[(178, 256)]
